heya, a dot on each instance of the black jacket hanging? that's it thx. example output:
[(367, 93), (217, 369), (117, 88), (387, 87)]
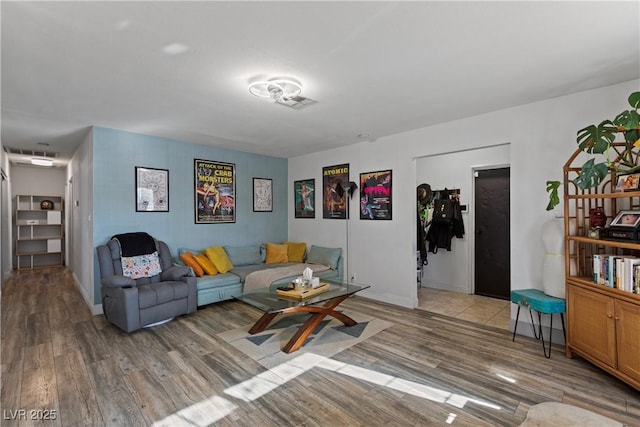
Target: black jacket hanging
[(422, 237), (441, 232)]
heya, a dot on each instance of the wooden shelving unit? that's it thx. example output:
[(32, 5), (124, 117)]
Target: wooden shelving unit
[(603, 323), (39, 233)]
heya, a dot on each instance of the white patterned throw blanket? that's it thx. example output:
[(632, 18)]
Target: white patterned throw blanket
[(263, 278), (138, 255)]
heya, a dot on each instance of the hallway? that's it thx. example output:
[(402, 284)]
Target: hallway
[(473, 308)]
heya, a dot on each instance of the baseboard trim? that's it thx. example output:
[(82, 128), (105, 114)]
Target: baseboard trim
[(446, 287), (524, 329), (96, 309), (387, 298)]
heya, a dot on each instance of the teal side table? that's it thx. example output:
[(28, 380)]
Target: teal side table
[(536, 300)]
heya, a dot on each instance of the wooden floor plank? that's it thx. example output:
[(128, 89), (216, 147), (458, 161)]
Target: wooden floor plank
[(10, 391), (150, 396), (425, 369), (126, 351), (63, 339), (38, 391), (90, 343), (38, 330), (78, 403), (152, 351), (182, 391), (115, 402)]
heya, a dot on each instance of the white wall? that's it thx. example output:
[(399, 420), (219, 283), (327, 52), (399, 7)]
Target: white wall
[(80, 169), (37, 180), (453, 271), (541, 137), (380, 252)]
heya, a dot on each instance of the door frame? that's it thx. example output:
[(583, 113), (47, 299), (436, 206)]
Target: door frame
[(6, 251), (472, 221), (68, 225)]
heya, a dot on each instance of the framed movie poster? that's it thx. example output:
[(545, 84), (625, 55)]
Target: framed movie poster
[(152, 190), (215, 192), (262, 195), (304, 200), (375, 195), (333, 199)]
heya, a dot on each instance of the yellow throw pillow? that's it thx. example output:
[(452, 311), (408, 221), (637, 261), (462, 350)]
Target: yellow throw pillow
[(219, 258), (206, 264), (191, 261), (276, 254), (295, 251)]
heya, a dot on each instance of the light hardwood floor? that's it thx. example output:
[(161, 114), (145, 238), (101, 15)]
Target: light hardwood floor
[(426, 369)]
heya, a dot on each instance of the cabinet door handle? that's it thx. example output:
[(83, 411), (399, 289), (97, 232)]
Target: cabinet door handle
[(609, 315), (617, 318)]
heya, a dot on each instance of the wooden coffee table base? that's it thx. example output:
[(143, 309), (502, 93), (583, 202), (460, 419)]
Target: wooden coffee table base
[(301, 335)]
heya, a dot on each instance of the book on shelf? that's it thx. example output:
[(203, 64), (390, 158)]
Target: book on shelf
[(617, 271)]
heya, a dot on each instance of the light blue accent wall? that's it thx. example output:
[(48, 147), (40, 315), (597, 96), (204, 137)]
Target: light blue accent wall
[(116, 154)]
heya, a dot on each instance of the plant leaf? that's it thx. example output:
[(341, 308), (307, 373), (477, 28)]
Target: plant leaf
[(591, 174), (627, 119), (552, 189), (632, 136), (597, 139), (634, 100)]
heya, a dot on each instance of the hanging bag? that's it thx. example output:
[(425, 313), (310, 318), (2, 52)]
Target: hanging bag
[(443, 211)]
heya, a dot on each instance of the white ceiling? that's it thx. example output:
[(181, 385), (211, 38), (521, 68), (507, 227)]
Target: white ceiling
[(373, 67)]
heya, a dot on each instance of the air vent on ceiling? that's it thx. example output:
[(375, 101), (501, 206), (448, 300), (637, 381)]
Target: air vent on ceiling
[(33, 153), (296, 102)]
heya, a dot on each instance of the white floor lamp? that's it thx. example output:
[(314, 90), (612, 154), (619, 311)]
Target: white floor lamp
[(347, 189)]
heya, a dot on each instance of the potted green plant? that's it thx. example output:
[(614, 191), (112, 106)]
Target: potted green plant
[(600, 140)]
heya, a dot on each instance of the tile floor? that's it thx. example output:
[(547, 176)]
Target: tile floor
[(473, 308)]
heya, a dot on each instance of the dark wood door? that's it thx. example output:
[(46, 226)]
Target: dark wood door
[(492, 233)]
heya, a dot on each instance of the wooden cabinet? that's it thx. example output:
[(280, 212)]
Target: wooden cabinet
[(590, 324), (603, 322), (39, 231), (605, 330), (627, 316)]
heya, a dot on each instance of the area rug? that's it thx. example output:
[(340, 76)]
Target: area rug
[(329, 338), (562, 415)]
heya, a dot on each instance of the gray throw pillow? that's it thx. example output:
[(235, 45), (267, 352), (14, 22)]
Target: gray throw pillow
[(324, 256), (243, 255)]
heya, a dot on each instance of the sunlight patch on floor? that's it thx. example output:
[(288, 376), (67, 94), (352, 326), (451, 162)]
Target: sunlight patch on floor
[(405, 386), (267, 381), (215, 408), (202, 413)]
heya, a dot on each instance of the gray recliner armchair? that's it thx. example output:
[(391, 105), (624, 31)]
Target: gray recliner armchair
[(130, 303)]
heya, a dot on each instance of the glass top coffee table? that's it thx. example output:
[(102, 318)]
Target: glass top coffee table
[(320, 306)]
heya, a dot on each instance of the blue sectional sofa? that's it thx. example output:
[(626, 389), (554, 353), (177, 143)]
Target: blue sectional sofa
[(249, 259)]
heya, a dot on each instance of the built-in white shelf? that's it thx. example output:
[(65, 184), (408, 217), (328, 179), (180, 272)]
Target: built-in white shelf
[(39, 233)]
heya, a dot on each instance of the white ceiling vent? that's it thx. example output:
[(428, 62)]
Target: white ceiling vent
[(32, 153), (23, 156), (296, 102)]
